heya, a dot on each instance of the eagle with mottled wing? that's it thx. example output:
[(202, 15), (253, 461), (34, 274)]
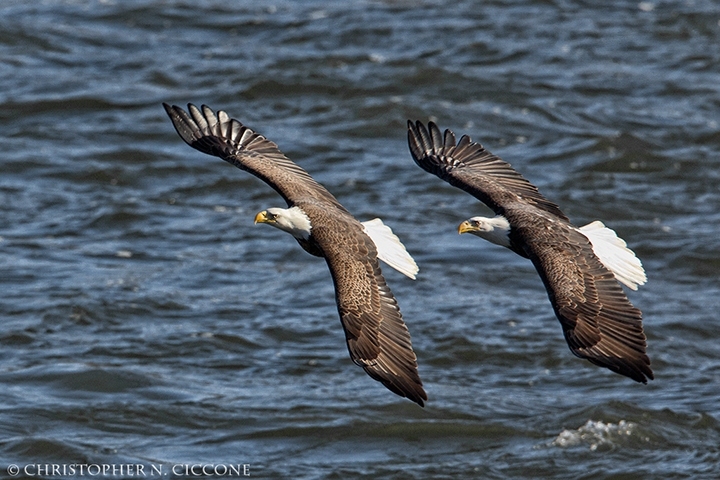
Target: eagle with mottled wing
[(377, 337), (580, 267)]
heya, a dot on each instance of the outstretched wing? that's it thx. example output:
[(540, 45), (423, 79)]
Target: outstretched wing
[(221, 136), (376, 335), (599, 322), (468, 166)]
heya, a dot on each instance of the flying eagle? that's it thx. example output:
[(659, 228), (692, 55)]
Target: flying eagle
[(580, 267), (377, 338)]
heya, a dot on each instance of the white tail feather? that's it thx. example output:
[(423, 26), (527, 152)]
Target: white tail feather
[(390, 249), (614, 254)]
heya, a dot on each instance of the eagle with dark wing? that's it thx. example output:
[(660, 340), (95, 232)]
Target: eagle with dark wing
[(580, 267), (376, 335)]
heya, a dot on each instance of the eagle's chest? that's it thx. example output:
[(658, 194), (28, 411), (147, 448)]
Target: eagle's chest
[(310, 246), (529, 229), (322, 229)]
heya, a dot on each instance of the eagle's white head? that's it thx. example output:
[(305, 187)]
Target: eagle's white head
[(495, 230), (291, 220)]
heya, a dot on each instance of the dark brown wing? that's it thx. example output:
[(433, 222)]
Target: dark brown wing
[(227, 138), (599, 322), (376, 335), (468, 166)]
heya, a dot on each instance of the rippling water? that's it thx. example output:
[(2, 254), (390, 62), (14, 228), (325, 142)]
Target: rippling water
[(147, 322)]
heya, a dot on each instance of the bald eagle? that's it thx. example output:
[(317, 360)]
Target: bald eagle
[(376, 335), (580, 267)]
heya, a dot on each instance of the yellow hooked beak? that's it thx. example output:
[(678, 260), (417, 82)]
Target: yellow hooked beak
[(466, 227), (264, 217)]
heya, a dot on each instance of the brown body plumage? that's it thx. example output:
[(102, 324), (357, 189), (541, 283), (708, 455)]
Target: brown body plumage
[(599, 322), (376, 335)]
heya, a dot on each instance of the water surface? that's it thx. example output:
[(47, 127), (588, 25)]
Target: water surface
[(147, 321)]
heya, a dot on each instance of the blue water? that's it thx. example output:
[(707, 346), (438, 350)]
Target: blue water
[(146, 321)]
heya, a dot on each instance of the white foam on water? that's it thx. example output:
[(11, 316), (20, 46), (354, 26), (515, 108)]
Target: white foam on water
[(594, 434)]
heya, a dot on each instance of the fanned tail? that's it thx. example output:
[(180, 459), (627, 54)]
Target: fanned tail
[(390, 248), (614, 254)]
